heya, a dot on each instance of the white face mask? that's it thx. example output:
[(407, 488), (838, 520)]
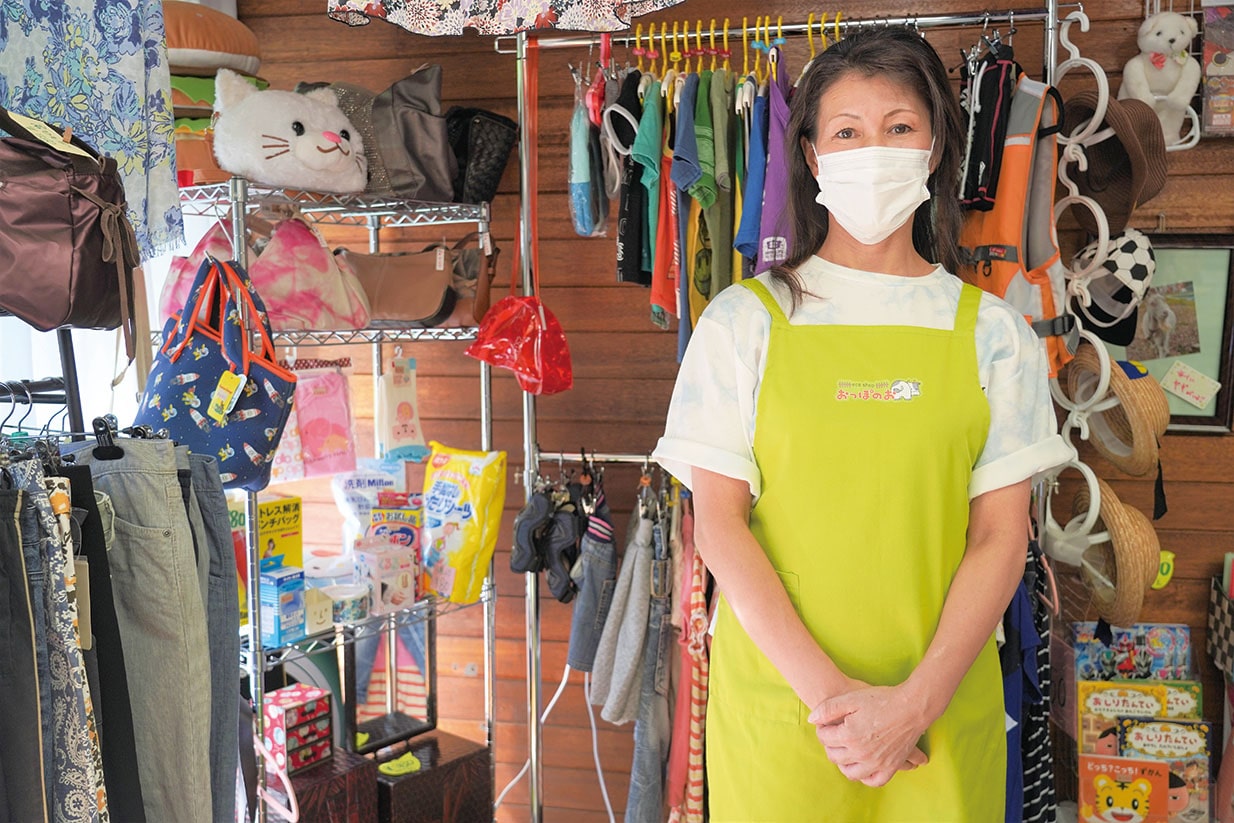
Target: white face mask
[(872, 191)]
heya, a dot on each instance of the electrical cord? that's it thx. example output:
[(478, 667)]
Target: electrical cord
[(595, 745), (565, 678)]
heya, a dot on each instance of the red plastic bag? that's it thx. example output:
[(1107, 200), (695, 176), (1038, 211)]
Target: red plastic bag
[(522, 335)]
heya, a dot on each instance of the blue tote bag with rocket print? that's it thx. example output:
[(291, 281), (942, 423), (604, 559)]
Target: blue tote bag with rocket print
[(210, 390)]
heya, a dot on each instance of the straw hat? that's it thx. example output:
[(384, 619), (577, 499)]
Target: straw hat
[(1125, 433), (1129, 558), (1126, 169)]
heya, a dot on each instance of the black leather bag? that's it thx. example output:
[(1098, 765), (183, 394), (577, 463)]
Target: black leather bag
[(481, 141)]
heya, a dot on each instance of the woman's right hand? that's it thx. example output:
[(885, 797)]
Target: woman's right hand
[(863, 772)]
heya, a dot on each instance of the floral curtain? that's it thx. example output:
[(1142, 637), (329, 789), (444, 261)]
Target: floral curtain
[(492, 17)]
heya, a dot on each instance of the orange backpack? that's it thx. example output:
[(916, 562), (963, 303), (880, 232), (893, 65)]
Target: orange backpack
[(1011, 251)]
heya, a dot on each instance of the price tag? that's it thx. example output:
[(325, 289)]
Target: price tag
[(48, 135), (1190, 384), (441, 258), (226, 395)]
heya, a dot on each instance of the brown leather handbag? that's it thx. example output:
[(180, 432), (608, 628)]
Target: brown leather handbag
[(68, 251), (422, 288)]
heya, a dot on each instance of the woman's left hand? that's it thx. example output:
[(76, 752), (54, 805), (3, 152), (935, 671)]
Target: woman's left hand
[(871, 733)]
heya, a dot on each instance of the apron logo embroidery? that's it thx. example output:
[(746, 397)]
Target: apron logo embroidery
[(882, 390)]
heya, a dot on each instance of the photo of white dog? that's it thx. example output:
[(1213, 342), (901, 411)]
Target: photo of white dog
[(1167, 323)]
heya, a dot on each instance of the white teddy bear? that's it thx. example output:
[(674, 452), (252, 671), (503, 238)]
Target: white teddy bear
[(1164, 75)]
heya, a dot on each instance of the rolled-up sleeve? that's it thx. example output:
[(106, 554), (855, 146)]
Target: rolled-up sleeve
[(1023, 442), (710, 420)]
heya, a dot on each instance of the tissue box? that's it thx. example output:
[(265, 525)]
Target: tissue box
[(282, 605), (279, 535), (342, 789), (454, 783), (297, 723), (318, 611), (390, 572)]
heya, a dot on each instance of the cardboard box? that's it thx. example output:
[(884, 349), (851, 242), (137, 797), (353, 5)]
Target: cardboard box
[(310, 732), (342, 789), (389, 570), (453, 784), (1100, 705), (1120, 788), (279, 536), (318, 611), (1184, 747), (282, 605), (300, 759)]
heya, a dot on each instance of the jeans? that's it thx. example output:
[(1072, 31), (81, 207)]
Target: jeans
[(187, 476), (223, 631), (119, 747), (652, 728), (163, 622), (76, 780), (596, 581), (36, 578), (23, 791)]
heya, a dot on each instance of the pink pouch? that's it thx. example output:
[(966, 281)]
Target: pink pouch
[(289, 456), (324, 412), (303, 287), (180, 275)]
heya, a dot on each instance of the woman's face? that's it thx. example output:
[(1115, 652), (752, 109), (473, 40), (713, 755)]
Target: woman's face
[(858, 111)]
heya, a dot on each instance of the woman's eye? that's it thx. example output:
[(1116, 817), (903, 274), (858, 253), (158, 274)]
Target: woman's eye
[(901, 128), (845, 134)]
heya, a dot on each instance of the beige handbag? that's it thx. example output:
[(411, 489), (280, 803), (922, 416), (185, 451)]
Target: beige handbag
[(422, 288)]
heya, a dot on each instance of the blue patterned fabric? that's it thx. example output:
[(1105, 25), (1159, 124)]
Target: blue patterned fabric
[(99, 67)]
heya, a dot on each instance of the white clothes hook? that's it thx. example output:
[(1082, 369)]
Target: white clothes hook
[(1075, 60)]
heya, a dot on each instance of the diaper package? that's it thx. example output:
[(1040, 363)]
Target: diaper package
[(464, 492), (356, 494)]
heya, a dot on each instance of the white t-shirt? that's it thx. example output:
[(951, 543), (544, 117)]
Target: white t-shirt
[(711, 418)]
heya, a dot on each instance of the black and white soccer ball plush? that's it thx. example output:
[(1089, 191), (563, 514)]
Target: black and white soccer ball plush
[(1129, 257)]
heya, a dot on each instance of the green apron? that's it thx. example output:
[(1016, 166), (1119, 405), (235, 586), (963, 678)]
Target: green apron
[(865, 438)]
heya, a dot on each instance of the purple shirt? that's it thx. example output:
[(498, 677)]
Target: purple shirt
[(773, 236)]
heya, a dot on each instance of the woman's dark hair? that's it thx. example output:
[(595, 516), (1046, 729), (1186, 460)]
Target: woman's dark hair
[(899, 54)]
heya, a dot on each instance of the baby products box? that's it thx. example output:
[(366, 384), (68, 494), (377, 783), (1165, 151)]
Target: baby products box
[(282, 605), (390, 571), (298, 727), (279, 535)]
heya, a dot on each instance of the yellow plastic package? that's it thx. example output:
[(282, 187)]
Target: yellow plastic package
[(464, 493)]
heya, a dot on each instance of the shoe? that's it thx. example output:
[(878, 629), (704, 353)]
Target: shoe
[(529, 528), (559, 550)]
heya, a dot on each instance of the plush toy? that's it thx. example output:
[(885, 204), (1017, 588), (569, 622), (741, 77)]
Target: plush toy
[(1164, 75), (281, 138)]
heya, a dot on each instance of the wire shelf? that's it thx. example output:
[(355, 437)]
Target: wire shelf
[(342, 337), (342, 209), (346, 634)]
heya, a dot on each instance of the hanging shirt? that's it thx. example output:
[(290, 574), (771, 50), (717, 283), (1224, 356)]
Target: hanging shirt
[(739, 181), (756, 169), (582, 212), (720, 215), (704, 189), (664, 273), (648, 153), (711, 416), (686, 172), (621, 126), (704, 194), (774, 239)]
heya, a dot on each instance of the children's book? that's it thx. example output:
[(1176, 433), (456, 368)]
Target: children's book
[(1144, 651), (1123, 790), (1184, 746), (1184, 699), (1100, 704)]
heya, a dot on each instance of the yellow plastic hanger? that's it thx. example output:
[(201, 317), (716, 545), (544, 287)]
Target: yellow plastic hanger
[(745, 46), (822, 32), (835, 25), (758, 50), (727, 55), (810, 33), (638, 45), (663, 48), (676, 55), (711, 48), (698, 47)]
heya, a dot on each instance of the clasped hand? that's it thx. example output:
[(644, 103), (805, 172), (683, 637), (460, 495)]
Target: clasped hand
[(871, 732)]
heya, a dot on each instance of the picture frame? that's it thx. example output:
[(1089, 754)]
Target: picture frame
[(1187, 315)]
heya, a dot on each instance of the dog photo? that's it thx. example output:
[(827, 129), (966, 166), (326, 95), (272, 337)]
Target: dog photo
[(1167, 325)]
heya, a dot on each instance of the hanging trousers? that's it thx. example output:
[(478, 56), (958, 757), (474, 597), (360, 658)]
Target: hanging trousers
[(120, 766), (23, 795)]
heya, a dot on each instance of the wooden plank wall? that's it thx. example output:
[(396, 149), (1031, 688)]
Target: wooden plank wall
[(624, 367)]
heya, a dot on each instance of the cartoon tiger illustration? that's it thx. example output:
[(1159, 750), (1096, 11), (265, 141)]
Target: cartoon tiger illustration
[(1118, 801)]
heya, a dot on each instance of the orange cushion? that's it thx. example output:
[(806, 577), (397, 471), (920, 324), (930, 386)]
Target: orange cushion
[(201, 40)]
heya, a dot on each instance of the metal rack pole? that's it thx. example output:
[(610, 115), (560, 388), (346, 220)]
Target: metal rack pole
[(256, 660), (597, 457), (72, 391), (535, 742), (489, 593)]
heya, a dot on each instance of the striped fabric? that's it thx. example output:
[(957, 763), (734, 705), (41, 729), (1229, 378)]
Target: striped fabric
[(694, 678), (411, 697), (1040, 803)]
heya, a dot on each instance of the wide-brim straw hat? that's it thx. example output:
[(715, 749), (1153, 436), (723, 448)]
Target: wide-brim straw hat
[(1129, 558), (1127, 433)]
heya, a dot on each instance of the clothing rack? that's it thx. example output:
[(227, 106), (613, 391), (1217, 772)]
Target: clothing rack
[(1047, 15), (49, 391)]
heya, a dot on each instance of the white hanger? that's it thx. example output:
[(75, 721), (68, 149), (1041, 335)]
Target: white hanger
[(1080, 407), (1069, 543)]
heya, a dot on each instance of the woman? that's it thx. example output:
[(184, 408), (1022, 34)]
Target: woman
[(859, 430)]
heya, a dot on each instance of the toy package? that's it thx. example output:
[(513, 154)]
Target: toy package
[(399, 436), (1184, 746), (1118, 789), (464, 492), (1145, 651), (1101, 704), (1218, 65)]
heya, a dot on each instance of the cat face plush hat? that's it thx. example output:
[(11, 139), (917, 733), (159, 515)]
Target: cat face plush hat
[(280, 138)]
